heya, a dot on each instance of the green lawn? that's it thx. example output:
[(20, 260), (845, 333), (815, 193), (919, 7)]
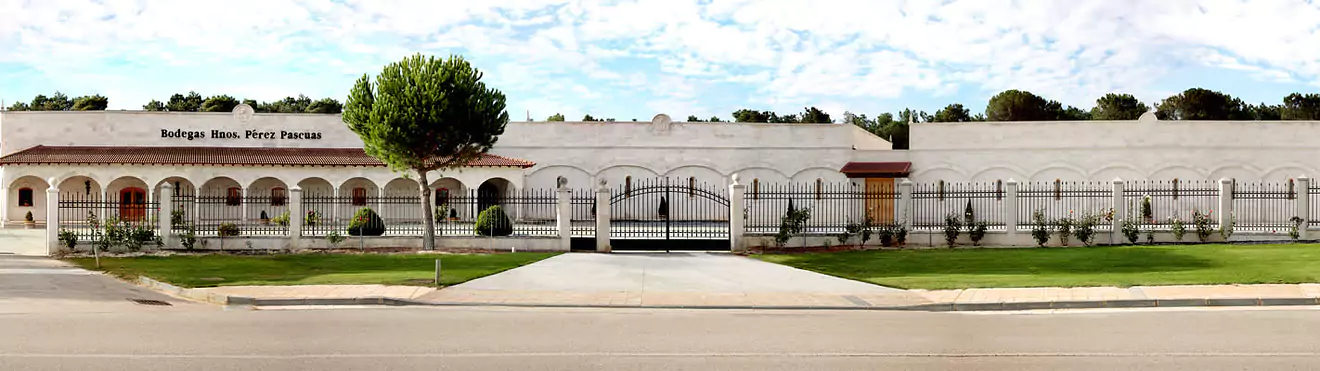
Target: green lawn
[(1068, 267), (312, 269)]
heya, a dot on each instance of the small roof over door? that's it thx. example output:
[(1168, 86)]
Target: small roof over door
[(876, 169)]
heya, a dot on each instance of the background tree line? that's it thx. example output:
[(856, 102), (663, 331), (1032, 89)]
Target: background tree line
[(191, 102)]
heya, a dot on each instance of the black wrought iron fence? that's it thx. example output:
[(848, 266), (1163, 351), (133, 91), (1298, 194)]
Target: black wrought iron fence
[(228, 215), (1058, 199), (183, 212), (93, 218), (1169, 200), (933, 202), (1264, 206), (833, 207), (583, 210)]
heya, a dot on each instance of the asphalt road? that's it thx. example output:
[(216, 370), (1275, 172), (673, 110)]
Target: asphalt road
[(155, 338)]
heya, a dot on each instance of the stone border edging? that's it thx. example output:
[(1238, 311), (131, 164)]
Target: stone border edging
[(214, 298)]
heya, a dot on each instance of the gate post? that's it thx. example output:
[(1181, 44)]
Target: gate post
[(165, 214), (564, 214), (295, 218), (1120, 212), (1011, 210), (736, 217), (1302, 192), (52, 217), (904, 208), (602, 218), (1225, 202)]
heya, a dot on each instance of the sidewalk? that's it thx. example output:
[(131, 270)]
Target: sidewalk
[(939, 300)]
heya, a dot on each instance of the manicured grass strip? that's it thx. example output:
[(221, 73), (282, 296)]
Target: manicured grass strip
[(1069, 267), (313, 269)]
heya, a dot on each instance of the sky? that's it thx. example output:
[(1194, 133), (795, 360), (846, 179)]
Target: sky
[(633, 59)]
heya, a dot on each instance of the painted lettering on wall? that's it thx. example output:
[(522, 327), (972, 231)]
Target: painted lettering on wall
[(246, 134)]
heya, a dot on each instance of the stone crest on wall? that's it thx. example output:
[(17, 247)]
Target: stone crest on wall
[(660, 124), (243, 113)]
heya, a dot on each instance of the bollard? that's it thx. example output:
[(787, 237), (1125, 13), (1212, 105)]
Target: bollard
[(437, 272)]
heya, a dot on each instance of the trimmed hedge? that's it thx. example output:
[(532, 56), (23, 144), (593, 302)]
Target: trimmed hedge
[(493, 222), (366, 223)]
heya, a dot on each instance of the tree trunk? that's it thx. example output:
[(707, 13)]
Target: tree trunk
[(428, 212)]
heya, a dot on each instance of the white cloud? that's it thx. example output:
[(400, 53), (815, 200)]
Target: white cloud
[(785, 52)]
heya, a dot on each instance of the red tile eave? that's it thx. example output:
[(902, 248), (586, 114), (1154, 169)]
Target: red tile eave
[(223, 156)]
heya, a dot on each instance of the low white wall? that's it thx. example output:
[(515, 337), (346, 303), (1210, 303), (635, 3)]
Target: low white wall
[(442, 243), (999, 239)]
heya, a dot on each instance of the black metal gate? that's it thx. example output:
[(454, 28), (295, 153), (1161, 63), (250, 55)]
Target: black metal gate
[(669, 214)]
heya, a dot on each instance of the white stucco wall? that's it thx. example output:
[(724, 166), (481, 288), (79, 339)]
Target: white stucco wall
[(1104, 150)]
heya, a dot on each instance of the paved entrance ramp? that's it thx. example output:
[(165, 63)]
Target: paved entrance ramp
[(670, 280), (40, 285), (20, 241)]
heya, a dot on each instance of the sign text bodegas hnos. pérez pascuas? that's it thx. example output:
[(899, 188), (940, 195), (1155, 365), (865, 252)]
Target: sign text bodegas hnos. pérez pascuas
[(246, 134)]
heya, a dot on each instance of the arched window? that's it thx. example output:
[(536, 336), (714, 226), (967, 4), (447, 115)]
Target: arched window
[(999, 189), (627, 186), (359, 196), (234, 196), (1175, 188), (756, 188), (278, 196), (441, 196), (819, 184), (1058, 189), (939, 193), (25, 197), (692, 186)]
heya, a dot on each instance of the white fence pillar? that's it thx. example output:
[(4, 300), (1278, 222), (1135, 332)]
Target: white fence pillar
[(904, 206), (165, 214), (1011, 208), (52, 217), (1303, 193), (602, 218), (295, 216), (737, 219), (1120, 212), (1226, 213), (564, 215)]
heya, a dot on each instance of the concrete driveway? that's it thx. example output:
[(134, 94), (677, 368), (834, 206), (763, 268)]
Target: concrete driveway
[(686, 279), (666, 272), (19, 241), (41, 285)]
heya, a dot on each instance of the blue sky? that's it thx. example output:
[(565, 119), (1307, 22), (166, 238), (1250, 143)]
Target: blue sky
[(631, 59)]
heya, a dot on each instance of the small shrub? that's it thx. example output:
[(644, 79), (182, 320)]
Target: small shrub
[(493, 222), (1226, 230), (189, 238), (1179, 229), (176, 217), (1150, 234), (312, 218), (1064, 226), (227, 230), (952, 226), (1131, 231), (1295, 230), (28, 217), (68, 239), (969, 217), (265, 218), (1202, 224), (867, 230), (1146, 211), (281, 220), (792, 223), (1086, 229), (900, 235), (886, 232), (1040, 231), (366, 223), (334, 238), (977, 233)]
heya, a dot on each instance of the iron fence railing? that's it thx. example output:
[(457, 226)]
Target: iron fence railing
[(1264, 206), (1058, 199), (933, 202), (833, 207), (1170, 199), (93, 218)]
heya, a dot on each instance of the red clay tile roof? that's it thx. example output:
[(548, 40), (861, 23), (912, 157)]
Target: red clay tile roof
[(216, 156), (876, 169)]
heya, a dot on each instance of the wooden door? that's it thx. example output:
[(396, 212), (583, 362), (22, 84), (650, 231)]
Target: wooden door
[(132, 204), (880, 199)]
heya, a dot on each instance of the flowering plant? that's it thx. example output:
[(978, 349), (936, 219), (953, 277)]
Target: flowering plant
[(1178, 228), (1202, 223)]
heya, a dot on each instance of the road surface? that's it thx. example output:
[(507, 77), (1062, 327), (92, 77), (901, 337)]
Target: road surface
[(197, 338)]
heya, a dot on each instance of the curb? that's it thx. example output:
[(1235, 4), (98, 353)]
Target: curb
[(214, 298)]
